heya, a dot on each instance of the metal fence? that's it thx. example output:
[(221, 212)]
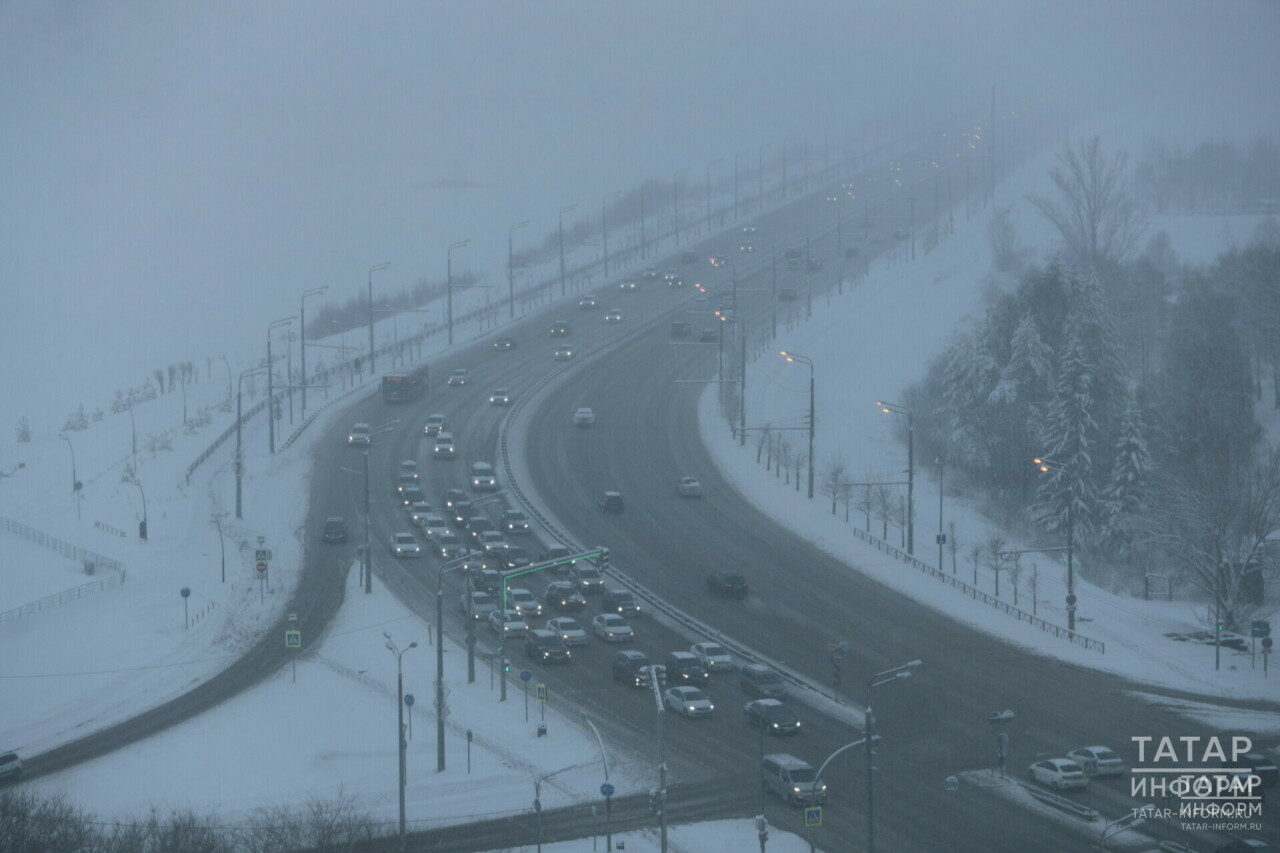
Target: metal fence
[(85, 589), (91, 560)]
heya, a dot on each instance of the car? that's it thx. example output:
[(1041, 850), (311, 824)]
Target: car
[(675, 281), (786, 295), (709, 335), (452, 496), (546, 646), (435, 424), (504, 343), (749, 229), (756, 679), (650, 273), (586, 577), (515, 557), (620, 601), (564, 597), (584, 417), (492, 543), (556, 554), (404, 481), (419, 511), (514, 521), (671, 275), (588, 303), (613, 315), (523, 602), (689, 487), (483, 477), (449, 545), (489, 580), (612, 502), (815, 265), (432, 527), (444, 447), (627, 285), (411, 495), (569, 630), (746, 248), (1256, 764), (360, 434), (508, 622), (479, 525), (689, 701), (478, 604), (792, 779), (1107, 762), (833, 198), (500, 397), (1059, 773), (713, 656), (684, 668), (681, 329), (626, 666), (728, 584), (458, 376), (561, 329), (408, 468), (775, 717), (563, 353), (335, 530), (405, 545), (718, 261), (10, 765), (612, 628)]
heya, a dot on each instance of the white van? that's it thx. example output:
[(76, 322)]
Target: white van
[(793, 780)]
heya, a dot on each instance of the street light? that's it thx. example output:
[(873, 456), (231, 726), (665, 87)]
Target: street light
[(239, 420), (302, 339), (878, 680), (742, 375), (451, 566), (511, 279), (707, 185), (449, 286), (271, 403), (563, 211), (675, 201), (372, 270), (1045, 466), (400, 742), (230, 390), (537, 795), (75, 481), (791, 356), (911, 468)]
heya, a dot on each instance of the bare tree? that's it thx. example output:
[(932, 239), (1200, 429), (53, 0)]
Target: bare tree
[(1096, 218), (974, 555), (784, 458), (762, 438), (993, 545), (832, 480), (953, 545), (866, 499), (1004, 240), (798, 460), (882, 500), (846, 498)]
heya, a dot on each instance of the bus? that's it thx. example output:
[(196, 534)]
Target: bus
[(404, 386)]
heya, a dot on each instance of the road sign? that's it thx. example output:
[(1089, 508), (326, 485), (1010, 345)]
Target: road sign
[(262, 555), (541, 692), (940, 539), (408, 699), (813, 816), (262, 568), (185, 592), (293, 639), (1261, 628), (526, 675), (1089, 766), (1266, 644), (606, 790), (1071, 600)]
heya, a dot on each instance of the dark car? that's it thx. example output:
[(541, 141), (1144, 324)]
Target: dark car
[(1258, 765), (514, 521), (626, 667), (756, 679), (504, 343), (612, 502), (729, 584), (776, 718), (515, 557), (561, 329), (411, 495), (488, 580), (452, 496), (709, 335), (681, 329), (620, 601), (460, 515), (815, 265), (564, 597), (335, 530), (546, 646), (683, 668), (553, 553)]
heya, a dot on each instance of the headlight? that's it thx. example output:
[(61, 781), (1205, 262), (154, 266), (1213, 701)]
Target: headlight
[(796, 789)]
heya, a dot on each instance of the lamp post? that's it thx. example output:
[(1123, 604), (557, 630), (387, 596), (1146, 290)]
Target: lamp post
[(372, 270), (604, 226), (142, 528), (449, 282), (75, 481), (878, 680), (239, 420), (537, 796), (230, 391), (791, 356), (271, 403), (302, 339), (452, 566), (563, 211), (133, 435), (942, 537), (400, 743), (675, 202), (707, 185), (183, 384), (911, 469), (511, 276), (1045, 466)]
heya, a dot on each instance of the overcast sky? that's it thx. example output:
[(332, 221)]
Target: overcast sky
[(174, 175)]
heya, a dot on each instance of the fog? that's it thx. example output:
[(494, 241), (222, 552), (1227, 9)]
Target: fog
[(174, 175)]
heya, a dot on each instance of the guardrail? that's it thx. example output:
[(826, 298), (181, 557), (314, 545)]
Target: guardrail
[(1061, 803), (226, 433), (76, 592), (91, 560)]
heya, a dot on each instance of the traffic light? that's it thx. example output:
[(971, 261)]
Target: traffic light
[(604, 559), (506, 665)]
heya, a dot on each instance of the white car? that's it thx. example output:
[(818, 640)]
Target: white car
[(713, 656), (492, 542), (563, 353), (433, 526), (435, 424), (508, 622), (360, 435), (444, 447), (483, 477), (613, 315), (689, 487), (1106, 760), (612, 628), (1058, 773), (500, 397), (689, 701), (523, 602), (419, 512), (569, 630), (477, 604), (588, 303), (405, 545), (408, 468), (748, 229), (627, 285), (459, 376), (584, 417)]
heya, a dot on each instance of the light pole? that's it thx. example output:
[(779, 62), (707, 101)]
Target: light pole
[(75, 481), (511, 276), (142, 528), (372, 270), (675, 202), (791, 356), (707, 184), (239, 420), (302, 339), (452, 566), (1045, 466), (878, 680), (400, 742), (271, 403), (606, 788), (449, 282), (563, 211), (742, 375), (604, 226), (911, 469), (537, 796), (230, 390), (942, 536)]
